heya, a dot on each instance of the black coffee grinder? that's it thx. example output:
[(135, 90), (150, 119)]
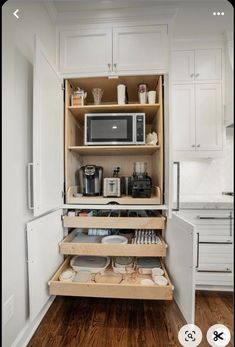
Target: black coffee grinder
[(142, 183)]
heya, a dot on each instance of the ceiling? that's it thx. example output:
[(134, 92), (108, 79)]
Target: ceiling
[(63, 6)]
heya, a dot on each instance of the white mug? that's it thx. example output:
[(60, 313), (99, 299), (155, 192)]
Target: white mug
[(121, 94), (152, 97)]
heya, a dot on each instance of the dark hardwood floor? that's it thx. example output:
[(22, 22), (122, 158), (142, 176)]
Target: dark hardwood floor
[(91, 322)]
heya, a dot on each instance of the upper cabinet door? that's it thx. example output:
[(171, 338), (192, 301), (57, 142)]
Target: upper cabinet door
[(181, 262), (47, 134), (208, 64), (183, 66), (208, 116), (143, 48), (183, 117), (86, 51)]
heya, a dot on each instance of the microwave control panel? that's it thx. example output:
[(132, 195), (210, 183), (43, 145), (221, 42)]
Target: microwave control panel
[(140, 129)]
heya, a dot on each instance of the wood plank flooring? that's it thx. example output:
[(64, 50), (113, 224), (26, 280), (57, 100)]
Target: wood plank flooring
[(91, 322)]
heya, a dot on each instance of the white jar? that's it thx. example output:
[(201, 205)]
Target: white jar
[(121, 94)]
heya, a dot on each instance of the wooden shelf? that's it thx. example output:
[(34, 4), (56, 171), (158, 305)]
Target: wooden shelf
[(148, 109), (115, 150), (69, 246), (126, 290), (124, 200)]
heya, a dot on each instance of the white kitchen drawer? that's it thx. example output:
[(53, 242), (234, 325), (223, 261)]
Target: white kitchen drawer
[(214, 279), (215, 233), (215, 257), (208, 217)]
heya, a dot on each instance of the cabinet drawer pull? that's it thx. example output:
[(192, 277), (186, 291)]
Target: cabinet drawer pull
[(192, 74), (193, 146), (109, 67), (218, 271), (30, 204), (198, 145), (115, 67), (197, 74), (209, 218)]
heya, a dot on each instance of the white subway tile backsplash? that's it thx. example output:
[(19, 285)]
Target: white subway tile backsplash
[(209, 176)]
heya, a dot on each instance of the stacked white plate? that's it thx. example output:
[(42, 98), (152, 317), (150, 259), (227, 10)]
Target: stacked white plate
[(114, 239), (123, 265)]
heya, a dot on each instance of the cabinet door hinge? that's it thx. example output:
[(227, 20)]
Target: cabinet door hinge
[(62, 86)]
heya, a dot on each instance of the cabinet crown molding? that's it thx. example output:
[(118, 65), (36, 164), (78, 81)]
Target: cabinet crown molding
[(157, 14)]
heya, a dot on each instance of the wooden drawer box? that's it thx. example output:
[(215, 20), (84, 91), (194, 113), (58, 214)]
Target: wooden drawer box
[(67, 246), (106, 290), (115, 222)]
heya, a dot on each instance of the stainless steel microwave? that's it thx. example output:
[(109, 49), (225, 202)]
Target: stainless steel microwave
[(114, 129)]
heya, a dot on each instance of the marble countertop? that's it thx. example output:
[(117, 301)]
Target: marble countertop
[(222, 202)]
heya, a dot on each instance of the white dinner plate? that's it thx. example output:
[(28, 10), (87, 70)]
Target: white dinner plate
[(114, 239)]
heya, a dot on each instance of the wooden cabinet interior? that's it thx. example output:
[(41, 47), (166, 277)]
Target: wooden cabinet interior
[(77, 155)]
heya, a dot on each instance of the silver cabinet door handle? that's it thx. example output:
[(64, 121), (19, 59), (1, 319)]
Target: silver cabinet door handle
[(198, 145), (109, 67), (197, 264), (177, 163), (197, 74), (30, 204), (193, 146), (219, 271), (115, 67), (192, 74)]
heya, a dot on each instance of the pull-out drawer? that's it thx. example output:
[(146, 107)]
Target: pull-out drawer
[(157, 222), (214, 279), (124, 290), (215, 233), (70, 246), (215, 257)]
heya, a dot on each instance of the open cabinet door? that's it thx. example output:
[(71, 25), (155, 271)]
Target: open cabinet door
[(47, 134), (180, 263), (43, 237)]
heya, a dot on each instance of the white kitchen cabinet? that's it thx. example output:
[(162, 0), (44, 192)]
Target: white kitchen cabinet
[(197, 117), (142, 48), (208, 114), (197, 65), (47, 166), (183, 66), (113, 51), (183, 117), (45, 233), (86, 50), (214, 260)]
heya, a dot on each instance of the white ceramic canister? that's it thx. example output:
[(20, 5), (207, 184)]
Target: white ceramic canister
[(152, 97), (121, 94)]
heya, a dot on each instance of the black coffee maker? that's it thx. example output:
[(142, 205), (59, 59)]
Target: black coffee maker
[(142, 183), (91, 178)]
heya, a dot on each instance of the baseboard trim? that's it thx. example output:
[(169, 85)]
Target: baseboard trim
[(26, 334)]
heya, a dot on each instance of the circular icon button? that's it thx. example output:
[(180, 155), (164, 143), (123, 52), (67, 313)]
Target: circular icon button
[(190, 335), (218, 335)]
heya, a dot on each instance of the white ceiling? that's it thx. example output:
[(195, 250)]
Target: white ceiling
[(63, 6)]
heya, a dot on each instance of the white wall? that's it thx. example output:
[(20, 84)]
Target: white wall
[(208, 176), (17, 93)]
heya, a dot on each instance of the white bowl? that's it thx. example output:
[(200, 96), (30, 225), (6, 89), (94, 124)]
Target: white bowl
[(67, 275), (160, 280), (147, 282), (157, 271)]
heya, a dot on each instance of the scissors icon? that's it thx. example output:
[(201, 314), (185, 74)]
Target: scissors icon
[(218, 336)]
